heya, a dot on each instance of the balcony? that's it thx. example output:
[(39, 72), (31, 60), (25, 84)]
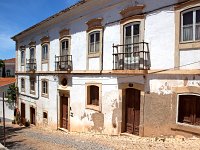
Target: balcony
[(63, 63), (31, 65), (134, 56)]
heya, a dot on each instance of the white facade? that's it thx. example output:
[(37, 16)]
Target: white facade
[(157, 28)]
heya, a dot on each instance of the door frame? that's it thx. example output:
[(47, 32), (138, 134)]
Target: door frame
[(32, 107), (122, 98), (24, 112), (65, 94)]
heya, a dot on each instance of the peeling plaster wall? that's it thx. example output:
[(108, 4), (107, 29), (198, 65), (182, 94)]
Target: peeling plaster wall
[(160, 109)]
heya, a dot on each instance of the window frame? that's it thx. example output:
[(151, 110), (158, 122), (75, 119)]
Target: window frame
[(32, 79), (45, 60), (46, 93), (22, 84), (87, 102), (22, 59), (178, 105), (193, 10), (95, 53)]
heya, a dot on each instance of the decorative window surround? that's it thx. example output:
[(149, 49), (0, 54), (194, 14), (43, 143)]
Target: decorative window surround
[(95, 29), (22, 85), (64, 33), (32, 85), (97, 106), (94, 24), (22, 55), (179, 44), (45, 46), (44, 88)]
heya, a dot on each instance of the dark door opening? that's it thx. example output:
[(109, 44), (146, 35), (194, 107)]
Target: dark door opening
[(132, 114), (23, 120), (32, 115), (64, 112)]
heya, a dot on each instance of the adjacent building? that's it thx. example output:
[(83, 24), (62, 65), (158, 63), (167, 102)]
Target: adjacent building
[(9, 68), (9, 108), (113, 66)]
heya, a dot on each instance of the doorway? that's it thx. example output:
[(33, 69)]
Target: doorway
[(132, 111), (23, 120), (64, 112), (32, 115)]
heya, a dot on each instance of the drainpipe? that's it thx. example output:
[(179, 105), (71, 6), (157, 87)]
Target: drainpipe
[(102, 52)]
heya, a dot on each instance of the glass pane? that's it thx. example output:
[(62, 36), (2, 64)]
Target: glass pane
[(97, 47), (136, 29), (187, 33), (22, 56), (197, 32), (128, 30), (97, 37), (188, 18), (198, 16), (63, 45), (92, 38), (136, 39), (128, 40), (91, 47), (32, 54)]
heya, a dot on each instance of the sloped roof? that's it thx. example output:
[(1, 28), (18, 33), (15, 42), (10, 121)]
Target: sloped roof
[(12, 60), (50, 18), (6, 81)]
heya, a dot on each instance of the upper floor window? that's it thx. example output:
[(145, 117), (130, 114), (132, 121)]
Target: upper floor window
[(44, 88), (32, 85), (22, 85), (22, 57), (190, 25), (32, 53), (94, 42), (45, 52), (64, 47)]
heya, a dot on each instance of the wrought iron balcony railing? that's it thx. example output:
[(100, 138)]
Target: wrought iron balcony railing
[(134, 56), (31, 65), (63, 63)]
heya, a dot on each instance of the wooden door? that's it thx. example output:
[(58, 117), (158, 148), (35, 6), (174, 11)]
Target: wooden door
[(64, 112), (132, 111), (32, 115), (23, 113)]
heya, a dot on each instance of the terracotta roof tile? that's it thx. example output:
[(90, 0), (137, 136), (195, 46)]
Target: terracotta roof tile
[(12, 60), (6, 81)]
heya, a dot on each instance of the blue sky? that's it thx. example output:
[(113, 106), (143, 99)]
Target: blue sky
[(18, 15)]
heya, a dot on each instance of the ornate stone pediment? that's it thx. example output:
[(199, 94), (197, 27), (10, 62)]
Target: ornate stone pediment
[(45, 39), (132, 10), (64, 32), (95, 23)]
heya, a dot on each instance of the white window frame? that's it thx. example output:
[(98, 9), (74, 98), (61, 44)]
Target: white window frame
[(45, 52), (22, 58), (32, 91), (23, 85), (194, 24), (99, 42), (44, 88)]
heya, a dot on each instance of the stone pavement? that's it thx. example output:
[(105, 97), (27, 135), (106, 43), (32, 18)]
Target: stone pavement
[(21, 138)]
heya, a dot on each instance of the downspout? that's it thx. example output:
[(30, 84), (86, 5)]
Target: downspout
[(102, 52)]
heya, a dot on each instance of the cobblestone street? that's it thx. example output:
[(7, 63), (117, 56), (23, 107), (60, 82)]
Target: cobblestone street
[(21, 138)]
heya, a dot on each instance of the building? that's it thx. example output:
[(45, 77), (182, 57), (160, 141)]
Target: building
[(9, 68), (113, 66), (9, 108)]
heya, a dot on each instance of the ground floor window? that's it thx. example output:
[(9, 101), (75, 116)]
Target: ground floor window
[(189, 109)]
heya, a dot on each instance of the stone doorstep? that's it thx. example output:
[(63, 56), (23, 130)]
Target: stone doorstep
[(2, 147)]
